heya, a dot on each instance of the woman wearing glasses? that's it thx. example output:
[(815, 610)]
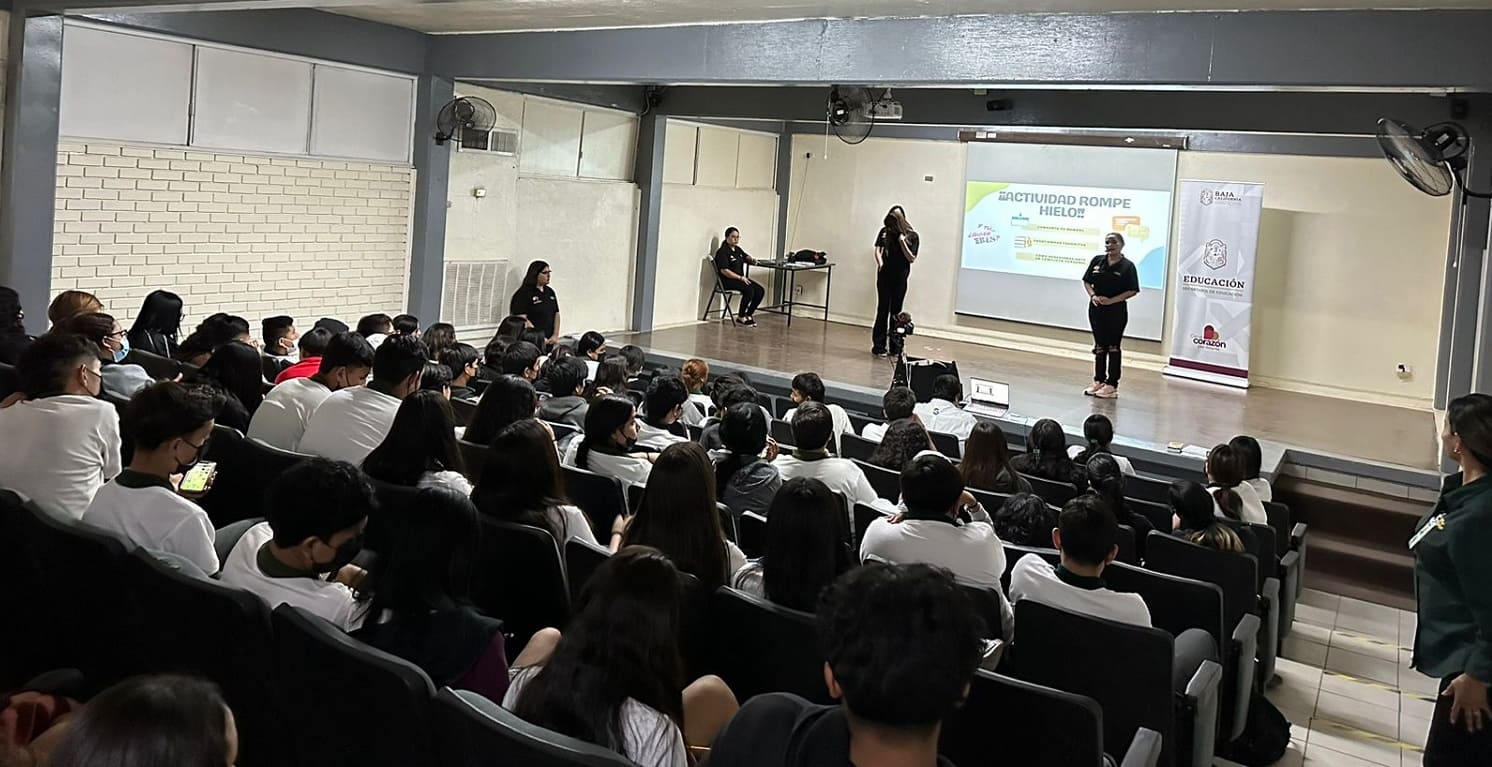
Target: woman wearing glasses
[(536, 302), (121, 379)]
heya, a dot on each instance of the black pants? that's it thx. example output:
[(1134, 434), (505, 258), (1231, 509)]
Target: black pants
[(891, 291), (1108, 324), (1452, 745), (752, 294)]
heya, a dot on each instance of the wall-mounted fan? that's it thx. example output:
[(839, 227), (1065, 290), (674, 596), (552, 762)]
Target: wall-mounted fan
[(849, 113), (1433, 159), (465, 114)]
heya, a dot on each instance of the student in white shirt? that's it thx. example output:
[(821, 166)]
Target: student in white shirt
[(1098, 430), (695, 373), (812, 429), (614, 677), (170, 425), (943, 525), (521, 482), (282, 416), (897, 403), (591, 349), (347, 425), (1086, 538), (663, 411), (420, 449), (61, 442), (942, 413), (809, 387), (607, 446), (1234, 499), (1253, 460), (316, 511), (678, 516)]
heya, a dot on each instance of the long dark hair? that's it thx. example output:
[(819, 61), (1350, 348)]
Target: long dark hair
[(422, 438), (903, 440), (602, 419), (986, 457), (1048, 452), (506, 400), (1470, 418), (161, 313), (10, 312), (900, 215), (611, 374), (531, 278), (743, 432), (1098, 430), (94, 326), (805, 546), (622, 644), (678, 515), (148, 721), (430, 562), (1192, 505), (521, 479), (1225, 472), (437, 338), (1106, 480), (235, 368)]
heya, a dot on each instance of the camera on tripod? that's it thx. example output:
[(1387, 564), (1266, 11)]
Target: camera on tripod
[(896, 340)]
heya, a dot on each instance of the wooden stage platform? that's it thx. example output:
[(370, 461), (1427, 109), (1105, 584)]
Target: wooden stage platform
[(1151, 407)]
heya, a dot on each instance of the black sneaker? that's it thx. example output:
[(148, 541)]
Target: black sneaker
[(879, 352)]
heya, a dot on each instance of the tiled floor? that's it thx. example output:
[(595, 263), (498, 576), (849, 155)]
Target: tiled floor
[(1347, 688)]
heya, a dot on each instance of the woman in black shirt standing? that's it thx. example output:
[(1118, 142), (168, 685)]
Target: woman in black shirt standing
[(896, 249), (537, 302), (730, 263), (1111, 280)]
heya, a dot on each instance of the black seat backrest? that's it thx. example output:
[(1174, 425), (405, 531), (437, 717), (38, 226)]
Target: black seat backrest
[(194, 625), (384, 708), (463, 410), (887, 483), (1235, 574), (695, 431), (395, 502), (1009, 721), (1125, 539), (1278, 515), (1158, 514), (1013, 554), (158, 367), (752, 534), (472, 731), (1148, 489), (991, 501), (1055, 493), (562, 430), (864, 515), (857, 447), (946, 443), (246, 468), (634, 496), (22, 653), (582, 560), (782, 431), (1176, 603), (1125, 668), (474, 456), (10, 382), (520, 579), (764, 647), (599, 496), (986, 602), (1259, 541)]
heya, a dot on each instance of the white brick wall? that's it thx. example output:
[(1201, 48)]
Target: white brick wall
[(249, 235)]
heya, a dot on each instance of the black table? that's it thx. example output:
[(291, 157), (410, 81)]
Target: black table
[(785, 301)]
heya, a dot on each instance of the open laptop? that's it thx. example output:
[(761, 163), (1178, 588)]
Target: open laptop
[(988, 398)]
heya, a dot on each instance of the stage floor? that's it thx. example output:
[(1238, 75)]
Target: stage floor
[(1151, 407)]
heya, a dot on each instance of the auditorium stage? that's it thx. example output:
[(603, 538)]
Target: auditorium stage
[(1151, 407)]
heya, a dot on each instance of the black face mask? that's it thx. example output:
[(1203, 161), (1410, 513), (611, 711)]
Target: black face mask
[(349, 550)]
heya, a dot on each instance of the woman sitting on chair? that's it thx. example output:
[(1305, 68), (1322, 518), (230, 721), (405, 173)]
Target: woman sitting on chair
[(730, 264)]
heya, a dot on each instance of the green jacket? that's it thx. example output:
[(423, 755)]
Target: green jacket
[(1453, 583)]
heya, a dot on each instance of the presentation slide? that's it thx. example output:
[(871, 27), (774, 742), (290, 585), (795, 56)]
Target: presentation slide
[(1034, 216)]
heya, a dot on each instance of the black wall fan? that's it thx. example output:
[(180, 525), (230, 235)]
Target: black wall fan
[(848, 113), (1432, 159), (467, 113)]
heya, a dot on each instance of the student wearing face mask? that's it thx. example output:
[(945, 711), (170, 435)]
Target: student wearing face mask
[(121, 379), (282, 416), (302, 555), (607, 444), (280, 350)]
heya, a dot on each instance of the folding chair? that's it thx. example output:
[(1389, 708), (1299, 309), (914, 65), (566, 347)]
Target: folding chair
[(718, 291)]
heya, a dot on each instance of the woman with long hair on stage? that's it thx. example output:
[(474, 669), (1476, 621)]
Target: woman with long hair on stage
[(896, 248)]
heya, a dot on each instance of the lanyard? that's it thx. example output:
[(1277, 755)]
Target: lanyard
[(1436, 522)]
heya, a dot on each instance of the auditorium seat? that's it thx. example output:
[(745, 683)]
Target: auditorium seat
[(395, 502), (246, 467), (157, 367), (782, 431), (752, 536), (1267, 547), (582, 559), (22, 650), (348, 704), (463, 410), (1055, 493), (474, 456), (695, 432), (1158, 514), (989, 500), (887, 483), (562, 431), (520, 579), (864, 515), (947, 444), (1288, 530), (471, 731), (1151, 489), (859, 448), (988, 604), (727, 518), (599, 496), (762, 647), (1128, 546)]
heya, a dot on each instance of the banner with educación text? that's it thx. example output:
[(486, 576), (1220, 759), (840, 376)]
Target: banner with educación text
[(1218, 244)]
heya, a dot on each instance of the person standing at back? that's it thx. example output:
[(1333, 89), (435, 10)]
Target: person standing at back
[(730, 264), (895, 251), (282, 417), (350, 423), (537, 302)]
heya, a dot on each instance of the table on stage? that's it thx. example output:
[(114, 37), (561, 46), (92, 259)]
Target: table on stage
[(784, 301)]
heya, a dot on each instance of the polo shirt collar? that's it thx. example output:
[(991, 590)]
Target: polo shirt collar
[(137, 480), (1083, 582), (811, 455), (272, 567), (1456, 494)]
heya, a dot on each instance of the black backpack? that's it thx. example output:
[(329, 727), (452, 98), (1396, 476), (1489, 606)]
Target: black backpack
[(1266, 735)]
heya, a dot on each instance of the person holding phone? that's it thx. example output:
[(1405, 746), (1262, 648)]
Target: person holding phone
[(896, 249), (148, 504)]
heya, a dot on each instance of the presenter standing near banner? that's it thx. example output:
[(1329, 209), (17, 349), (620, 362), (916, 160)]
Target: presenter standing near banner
[(895, 250), (1111, 280)]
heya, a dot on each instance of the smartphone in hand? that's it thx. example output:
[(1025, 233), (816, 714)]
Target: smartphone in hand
[(197, 479)]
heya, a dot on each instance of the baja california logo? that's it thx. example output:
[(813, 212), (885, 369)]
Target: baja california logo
[(1206, 196), (1215, 254)]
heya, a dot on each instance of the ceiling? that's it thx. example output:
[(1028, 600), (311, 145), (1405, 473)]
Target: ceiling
[(447, 16)]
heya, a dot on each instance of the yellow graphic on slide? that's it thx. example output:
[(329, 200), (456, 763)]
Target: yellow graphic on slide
[(978, 190)]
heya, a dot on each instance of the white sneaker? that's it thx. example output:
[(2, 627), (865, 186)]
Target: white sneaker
[(1106, 392), (1093, 388)]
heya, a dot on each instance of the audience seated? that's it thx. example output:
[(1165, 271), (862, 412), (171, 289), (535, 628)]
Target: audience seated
[(439, 338), (805, 549), (1098, 430), (899, 402), (507, 400), (158, 324), (635, 357), (745, 478), (111, 345), (316, 511), (70, 437), (69, 304), (311, 345), (808, 387), (729, 390), (901, 443), (1194, 518), (352, 421), (1047, 456), (420, 449), (280, 337), (509, 332), (662, 409), (1253, 461), (461, 359), (608, 377), (375, 328), (216, 330), (521, 482), (942, 525), (566, 378), (1106, 480), (616, 676), (281, 419), (606, 444), (678, 517), (332, 325), (591, 349), (1025, 520), (696, 373), (235, 372), (421, 611), (986, 464), (942, 413), (437, 378), (900, 647), (520, 359), (13, 337), (812, 429), (406, 325), (151, 720), (1233, 498), (169, 425), (1086, 536)]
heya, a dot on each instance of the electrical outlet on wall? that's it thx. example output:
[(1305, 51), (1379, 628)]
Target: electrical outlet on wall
[(797, 291), (1405, 371)]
